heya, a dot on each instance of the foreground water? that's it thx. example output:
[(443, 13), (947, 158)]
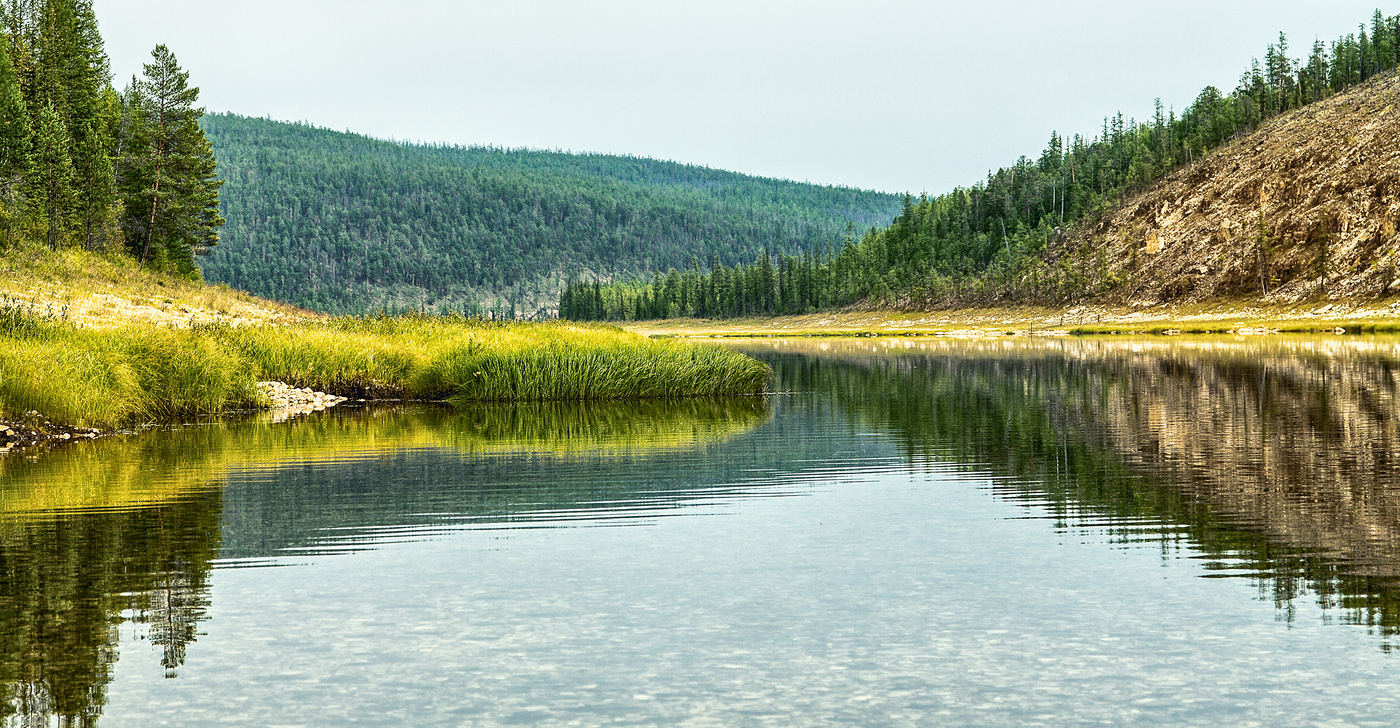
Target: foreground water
[(912, 532)]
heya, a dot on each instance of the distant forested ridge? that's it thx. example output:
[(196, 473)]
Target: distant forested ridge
[(345, 223), (987, 243)]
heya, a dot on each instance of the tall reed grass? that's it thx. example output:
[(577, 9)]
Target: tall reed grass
[(92, 378)]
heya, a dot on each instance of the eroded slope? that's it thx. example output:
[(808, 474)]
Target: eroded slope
[(1304, 208)]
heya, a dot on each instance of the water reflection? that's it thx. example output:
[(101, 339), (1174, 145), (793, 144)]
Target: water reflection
[(64, 583), (128, 529), (1275, 458), (1269, 459)]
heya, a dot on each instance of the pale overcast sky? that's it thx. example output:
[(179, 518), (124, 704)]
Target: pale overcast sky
[(897, 96)]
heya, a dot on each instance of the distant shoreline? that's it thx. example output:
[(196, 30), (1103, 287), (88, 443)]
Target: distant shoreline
[(1240, 317)]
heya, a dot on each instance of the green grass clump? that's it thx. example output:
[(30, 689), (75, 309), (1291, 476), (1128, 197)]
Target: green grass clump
[(89, 378), (441, 357)]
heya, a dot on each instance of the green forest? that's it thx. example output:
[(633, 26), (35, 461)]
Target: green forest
[(983, 243), (83, 165), (345, 223)]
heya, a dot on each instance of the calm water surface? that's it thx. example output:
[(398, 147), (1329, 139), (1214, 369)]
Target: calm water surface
[(909, 532)]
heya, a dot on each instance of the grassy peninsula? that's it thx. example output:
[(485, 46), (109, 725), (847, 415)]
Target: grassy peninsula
[(60, 374)]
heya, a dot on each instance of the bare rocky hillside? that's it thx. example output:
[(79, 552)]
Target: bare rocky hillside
[(1305, 208)]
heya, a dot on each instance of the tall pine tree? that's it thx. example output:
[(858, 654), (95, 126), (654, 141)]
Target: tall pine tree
[(96, 189), (168, 182), (14, 123), (51, 194), (15, 163)]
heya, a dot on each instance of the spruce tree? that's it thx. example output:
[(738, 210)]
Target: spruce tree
[(84, 76), (96, 189), (51, 193), (168, 184), (14, 144), (14, 123)]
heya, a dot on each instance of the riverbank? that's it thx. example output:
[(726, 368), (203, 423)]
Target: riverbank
[(60, 378), (1219, 317), (22, 430)]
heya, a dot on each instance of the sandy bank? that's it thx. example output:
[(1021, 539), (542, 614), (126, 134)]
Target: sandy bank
[(1241, 317)]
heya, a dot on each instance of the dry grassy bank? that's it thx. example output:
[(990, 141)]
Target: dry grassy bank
[(97, 290)]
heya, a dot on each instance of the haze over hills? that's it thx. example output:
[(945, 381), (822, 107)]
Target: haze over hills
[(345, 223)]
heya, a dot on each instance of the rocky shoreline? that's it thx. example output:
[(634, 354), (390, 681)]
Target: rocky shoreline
[(33, 428), (284, 396)]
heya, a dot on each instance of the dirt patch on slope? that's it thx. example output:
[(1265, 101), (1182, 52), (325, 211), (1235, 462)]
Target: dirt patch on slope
[(1305, 208), (99, 291)]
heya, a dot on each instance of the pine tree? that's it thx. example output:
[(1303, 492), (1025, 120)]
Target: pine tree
[(168, 183), (14, 123), (86, 78), (20, 20), (70, 66), (15, 162), (96, 190), (54, 49), (51, 183), (1381, 43)]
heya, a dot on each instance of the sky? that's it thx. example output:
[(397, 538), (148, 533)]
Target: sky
[(897, 95)]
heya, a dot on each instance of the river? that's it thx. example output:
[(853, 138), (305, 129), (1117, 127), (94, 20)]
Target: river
[(920, 531)]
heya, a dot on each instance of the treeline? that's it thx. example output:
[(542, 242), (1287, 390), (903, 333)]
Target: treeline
[(345, 223), (83, 165), (983, 243), (774, 284)]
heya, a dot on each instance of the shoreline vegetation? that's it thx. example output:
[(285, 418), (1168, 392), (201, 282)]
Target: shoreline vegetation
[(57, 377)]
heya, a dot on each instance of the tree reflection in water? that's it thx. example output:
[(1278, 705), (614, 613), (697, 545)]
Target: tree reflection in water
[(129, 529), (65, 579), (1276, 458)]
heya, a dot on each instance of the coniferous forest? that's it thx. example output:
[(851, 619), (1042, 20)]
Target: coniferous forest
[(345, 223), (83, 165), (983, 244)]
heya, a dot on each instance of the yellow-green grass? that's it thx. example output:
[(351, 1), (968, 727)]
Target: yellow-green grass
[(87, 378), (140, 373), (106, 289), (433, 357)]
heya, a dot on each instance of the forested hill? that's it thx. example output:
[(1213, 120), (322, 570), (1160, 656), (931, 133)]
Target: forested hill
[(1286, 187), (345, 223)]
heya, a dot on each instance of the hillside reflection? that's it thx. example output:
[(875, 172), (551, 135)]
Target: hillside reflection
[(1275, 458)]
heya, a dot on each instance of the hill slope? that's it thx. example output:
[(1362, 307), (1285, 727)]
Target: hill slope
[(340, 222), (1305, 207), (108, 290)]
